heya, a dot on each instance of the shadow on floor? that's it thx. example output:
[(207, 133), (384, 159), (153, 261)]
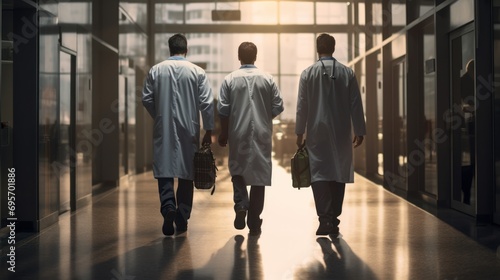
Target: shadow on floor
[(339, 262)]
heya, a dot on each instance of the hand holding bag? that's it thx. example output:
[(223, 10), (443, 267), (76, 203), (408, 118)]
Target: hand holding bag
[(205, 169), (301, 175)]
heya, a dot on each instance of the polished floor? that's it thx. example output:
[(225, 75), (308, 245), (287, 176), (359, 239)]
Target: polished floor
[(119, 237)]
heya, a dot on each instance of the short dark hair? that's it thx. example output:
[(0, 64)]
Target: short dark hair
[(325, 44), (247, 52), (177, 44)]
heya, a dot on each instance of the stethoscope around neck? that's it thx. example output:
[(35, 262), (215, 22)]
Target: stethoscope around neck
[(332, 76)]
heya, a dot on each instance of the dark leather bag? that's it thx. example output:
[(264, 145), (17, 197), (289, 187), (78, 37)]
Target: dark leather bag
[(205, 170), (301, 174)]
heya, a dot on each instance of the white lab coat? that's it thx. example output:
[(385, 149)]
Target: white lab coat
[(330, 109), (174, 93), (250, 99)]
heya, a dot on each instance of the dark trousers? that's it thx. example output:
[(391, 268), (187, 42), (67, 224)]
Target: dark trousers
[(328, 197), (184, 202), (254, 204)]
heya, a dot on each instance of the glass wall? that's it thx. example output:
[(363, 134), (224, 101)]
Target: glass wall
[(463, 124), (78, 42), (400, 116), (133, 53), (49, 123), (66, 129), (380, 117), (83, 111)]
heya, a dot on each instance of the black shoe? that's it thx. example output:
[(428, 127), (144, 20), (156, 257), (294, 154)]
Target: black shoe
[(168, 223), (181, 229), (325, 228), (239, 220), (180, 225), (255, 227)]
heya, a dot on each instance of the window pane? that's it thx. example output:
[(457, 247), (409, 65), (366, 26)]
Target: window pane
[(161, 46), (398, 46), (362, 43), (377, 23), (265, 12), (297, 13), (75, 13), (132, 44), (341, 47), (169, 13), (331, 13), (199, 12), (137, 12), (398, 15), (361, 13), (297, 52), (289, 87)]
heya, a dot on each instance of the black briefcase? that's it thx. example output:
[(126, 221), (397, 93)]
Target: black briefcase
[(205, 169)]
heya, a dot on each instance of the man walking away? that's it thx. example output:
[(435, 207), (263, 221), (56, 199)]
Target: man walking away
[(328, 103), (249, 99), (174, 93)]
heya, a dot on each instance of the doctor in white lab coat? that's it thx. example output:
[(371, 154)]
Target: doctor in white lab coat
[(330, 112), (249, 99), (175, 92)]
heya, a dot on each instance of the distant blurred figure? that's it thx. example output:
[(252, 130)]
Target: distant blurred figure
[(328, 102), (174, 93), (248, 101)]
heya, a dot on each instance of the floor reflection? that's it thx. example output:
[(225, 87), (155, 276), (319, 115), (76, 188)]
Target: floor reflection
[(338, 262), (237, 259), (176, 248), (164, 258)]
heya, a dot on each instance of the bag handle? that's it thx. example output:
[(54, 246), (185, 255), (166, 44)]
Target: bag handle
[(301, 147)]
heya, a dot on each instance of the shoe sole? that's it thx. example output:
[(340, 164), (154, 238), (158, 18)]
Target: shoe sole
[(168, 223), (239, 221)]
